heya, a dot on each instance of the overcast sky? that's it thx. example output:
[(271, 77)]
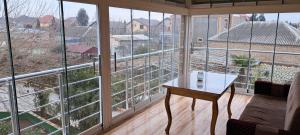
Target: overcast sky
[(118, 14)]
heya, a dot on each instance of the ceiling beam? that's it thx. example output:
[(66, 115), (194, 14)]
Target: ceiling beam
[(246, 9), (149, 6)]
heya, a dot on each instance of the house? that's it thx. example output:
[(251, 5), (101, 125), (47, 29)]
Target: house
[(121, 44), (217, 24), (141, 25), (263, 39), (82, 50), (47, 21)]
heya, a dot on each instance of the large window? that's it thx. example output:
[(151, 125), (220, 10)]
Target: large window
[(54, 85), (82, 50), (258, 46), (142, 58)]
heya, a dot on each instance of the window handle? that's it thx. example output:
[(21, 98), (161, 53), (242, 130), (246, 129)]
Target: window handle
[(100, 65), (115, 57)]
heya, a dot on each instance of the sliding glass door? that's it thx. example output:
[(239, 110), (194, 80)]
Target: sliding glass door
[(257, 46), (49, 75), (143, 51)]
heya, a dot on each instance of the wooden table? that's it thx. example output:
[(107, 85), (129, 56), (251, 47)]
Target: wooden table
[(211, 88)]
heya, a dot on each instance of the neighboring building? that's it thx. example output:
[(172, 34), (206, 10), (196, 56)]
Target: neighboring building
[(121, 44), (26, 21), (82, 34), (217, 24), (118, 28), (82, 50), (141, 25), (47, 21), (262, 39)]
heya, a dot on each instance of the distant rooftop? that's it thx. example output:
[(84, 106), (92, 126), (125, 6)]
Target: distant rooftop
[(263, 33), (128, 37)]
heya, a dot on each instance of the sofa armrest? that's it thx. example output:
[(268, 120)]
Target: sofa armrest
[(271, 89), (238, 127)]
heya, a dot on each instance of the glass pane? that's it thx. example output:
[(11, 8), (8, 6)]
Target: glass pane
[(120, 44), (287, 48), (140, 27), (5, 73), (156, 32), (238, 62), (83, 95), (37, 56), (218, 31), (216, 60), (262, 46), (261, 66), (238, 45), (239, 32), (199, 42), (177, 41), (285, 68), (167, 40), (217, 42)]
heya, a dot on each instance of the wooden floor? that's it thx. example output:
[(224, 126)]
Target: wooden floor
[(185, 122)]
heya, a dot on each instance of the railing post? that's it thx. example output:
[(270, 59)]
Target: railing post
[(126, 76), (62, 104), (145, 76), (161, 59), (14, 112)]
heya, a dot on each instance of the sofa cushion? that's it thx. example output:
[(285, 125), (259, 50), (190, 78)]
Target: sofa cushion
[(266, 111), (292, 118)]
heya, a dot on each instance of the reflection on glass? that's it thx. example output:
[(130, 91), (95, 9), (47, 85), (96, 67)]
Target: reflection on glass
[(199, 42), (218, 30), (140, 29), (5, 72), (156, 33), (83, 95), (120, 44), (262, 47), (36, 44)]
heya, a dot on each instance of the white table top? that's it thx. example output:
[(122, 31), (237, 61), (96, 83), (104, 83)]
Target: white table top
[(215, 83)]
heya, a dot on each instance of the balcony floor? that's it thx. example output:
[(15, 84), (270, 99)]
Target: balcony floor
[(153, 120)]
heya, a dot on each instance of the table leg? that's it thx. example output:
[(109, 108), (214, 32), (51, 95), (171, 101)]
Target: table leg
[(193, 104), (230, 100), (167, 105), (215, 111)]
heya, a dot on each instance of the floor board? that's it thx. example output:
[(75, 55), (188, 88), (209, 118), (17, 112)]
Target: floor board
[(185, 122)]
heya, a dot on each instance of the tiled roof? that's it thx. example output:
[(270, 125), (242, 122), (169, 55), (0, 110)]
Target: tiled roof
[(263, 33), (46, 19)]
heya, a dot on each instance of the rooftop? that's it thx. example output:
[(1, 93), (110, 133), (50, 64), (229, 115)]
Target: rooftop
[(263, 33), (128, 37)]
